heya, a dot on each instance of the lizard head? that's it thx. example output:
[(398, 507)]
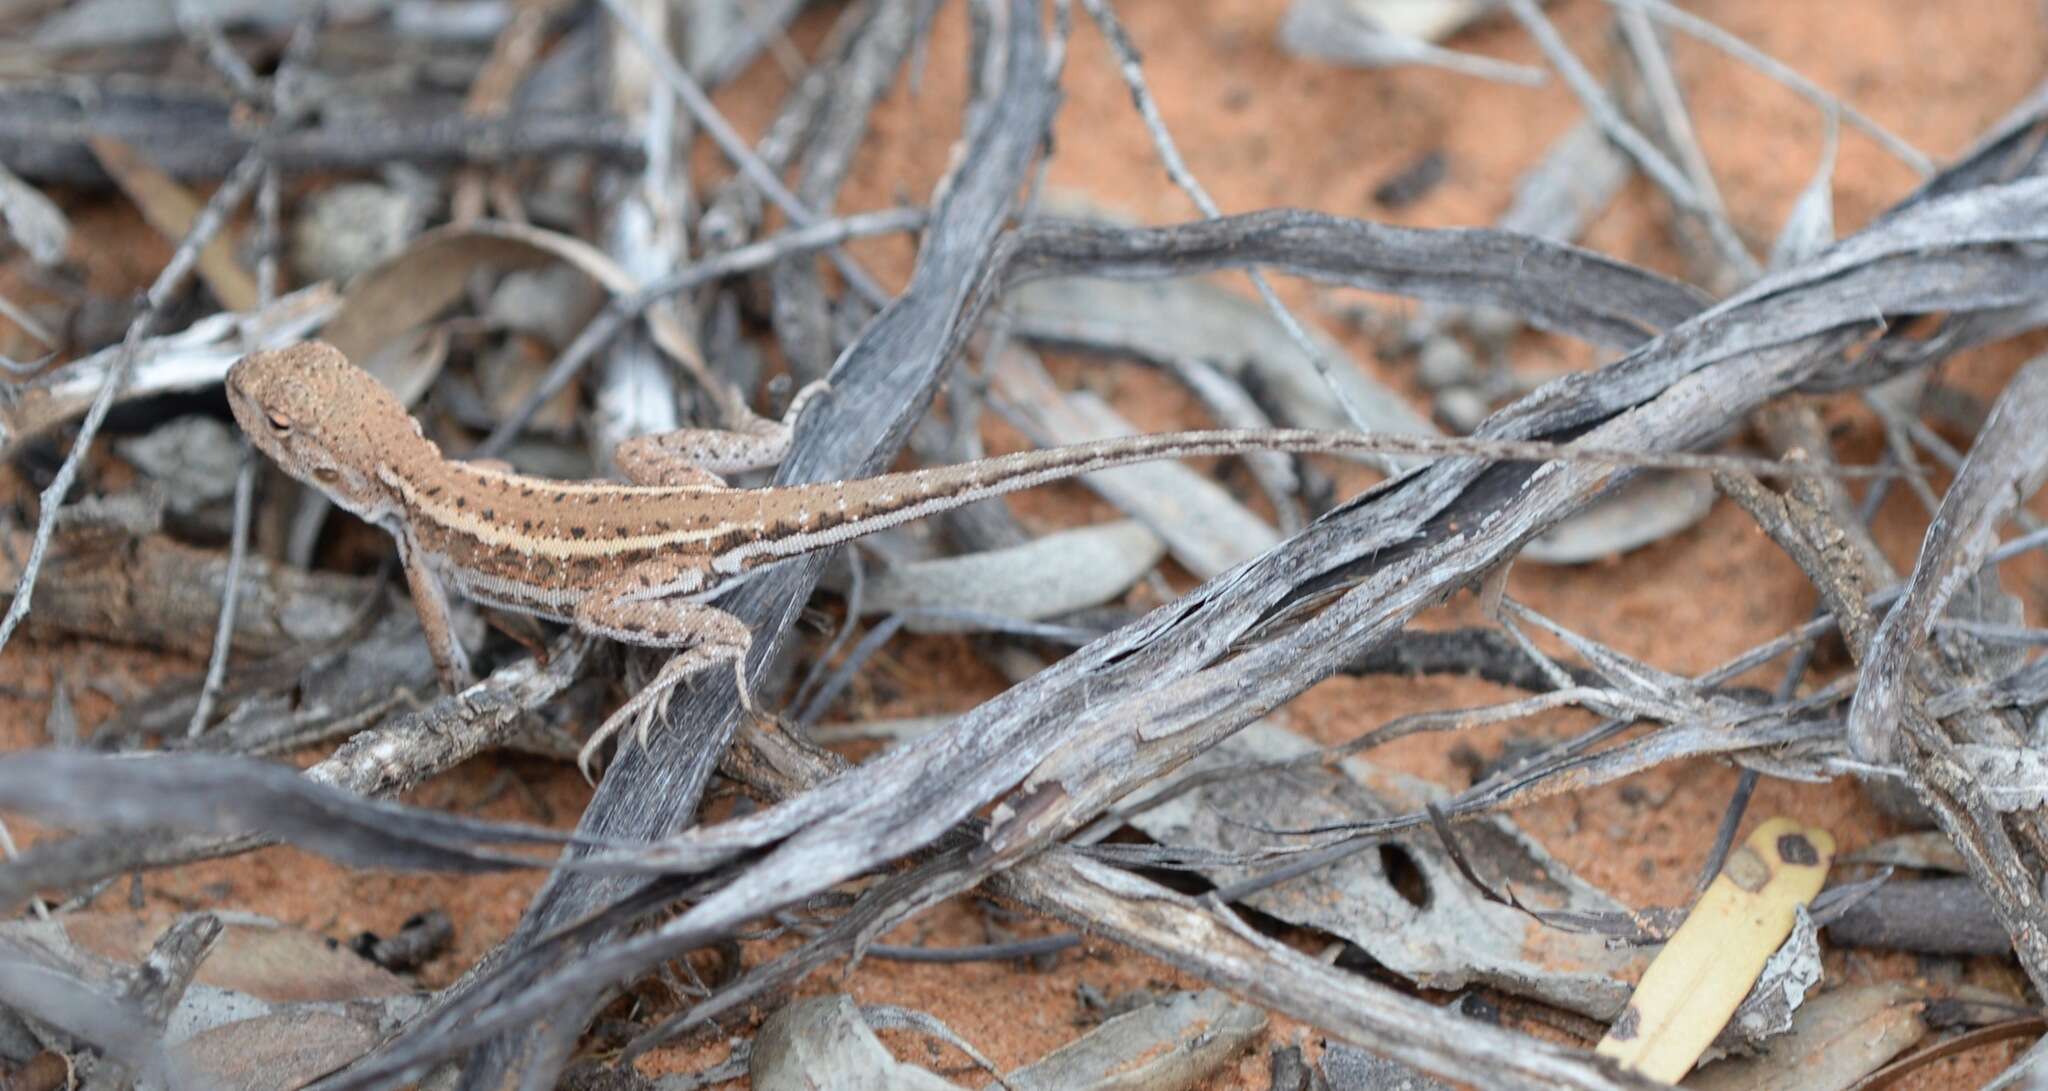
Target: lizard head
[(326, 422)]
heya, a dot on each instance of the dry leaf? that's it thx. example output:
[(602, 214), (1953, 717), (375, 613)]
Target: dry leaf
[(171, 209), (1715, 957)]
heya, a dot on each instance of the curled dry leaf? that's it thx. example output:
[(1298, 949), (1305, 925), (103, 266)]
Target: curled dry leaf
[(269, 1006), (191, 359), (410, 289), (1170, 1045), (1647, 508)]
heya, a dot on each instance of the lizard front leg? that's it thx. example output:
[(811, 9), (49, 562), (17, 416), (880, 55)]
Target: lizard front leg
[(431, 600), (706, 637), (697, 456)]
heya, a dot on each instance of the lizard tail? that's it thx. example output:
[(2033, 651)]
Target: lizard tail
[(827, 513)]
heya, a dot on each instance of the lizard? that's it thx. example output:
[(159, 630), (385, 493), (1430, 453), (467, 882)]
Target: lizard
[(638, 562)]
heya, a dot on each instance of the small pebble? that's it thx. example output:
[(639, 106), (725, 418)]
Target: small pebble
[(1443, 363), (1492, 325), (344, 230), (551, 302), (1413, 182), (1461, 408), (195, 457)]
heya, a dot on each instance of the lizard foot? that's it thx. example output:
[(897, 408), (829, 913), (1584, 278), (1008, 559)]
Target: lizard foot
[(644, 707)]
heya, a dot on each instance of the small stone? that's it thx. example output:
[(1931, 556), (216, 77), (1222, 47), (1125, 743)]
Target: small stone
[(551, 302), (195, 457), (1443, 363), (1461, 408), (350, 228), (1492, 325)]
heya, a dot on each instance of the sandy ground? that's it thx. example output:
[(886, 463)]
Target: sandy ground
[(1263, 130)]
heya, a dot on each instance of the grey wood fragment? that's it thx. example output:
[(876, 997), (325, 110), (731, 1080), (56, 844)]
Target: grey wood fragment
[(1406, 906), (1771, 1006), (1044, 578), (1389, 33), (1170, 1045), (1929, 916), (1204, 527), (2005, 466), (1348, 1068), (1837, 1038), (821, 1044)]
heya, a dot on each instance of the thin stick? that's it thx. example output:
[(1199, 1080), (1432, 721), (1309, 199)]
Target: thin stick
[(843, 676), (1301, 863), (1707, 32), (1668, 101), (981, 952), (856, 591), (231, 594), (199, 28), (29, 325), (735, 147), (167, 284), (1659, 169), (1177, 169), (606, 324), (268, 217)]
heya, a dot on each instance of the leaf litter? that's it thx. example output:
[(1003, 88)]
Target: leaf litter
[(1034, 794)]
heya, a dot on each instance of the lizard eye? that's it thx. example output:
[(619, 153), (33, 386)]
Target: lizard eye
[(280, 423)]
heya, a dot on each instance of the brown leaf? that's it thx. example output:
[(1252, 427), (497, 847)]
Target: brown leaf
[(171, 209)]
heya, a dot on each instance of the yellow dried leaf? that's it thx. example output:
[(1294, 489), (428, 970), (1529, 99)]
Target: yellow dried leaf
[(1694, 985)]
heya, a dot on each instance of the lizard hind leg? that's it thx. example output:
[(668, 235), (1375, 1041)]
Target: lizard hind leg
[(705, 637)]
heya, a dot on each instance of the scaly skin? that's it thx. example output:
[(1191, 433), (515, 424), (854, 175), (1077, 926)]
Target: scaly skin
[(638, 562)]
